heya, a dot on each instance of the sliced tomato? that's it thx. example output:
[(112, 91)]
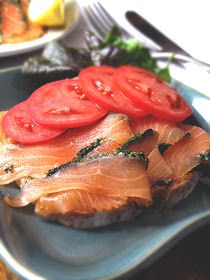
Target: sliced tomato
[(18, 125), (96, 82), (151, 93), (62, 104)]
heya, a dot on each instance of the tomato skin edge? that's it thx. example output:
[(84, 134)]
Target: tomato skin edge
[(136, 96), (113, 101), (19, 135)]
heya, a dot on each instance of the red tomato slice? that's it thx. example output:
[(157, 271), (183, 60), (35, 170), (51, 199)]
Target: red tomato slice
[(151, 93), (96, 82), (18, 125), (62, 104)]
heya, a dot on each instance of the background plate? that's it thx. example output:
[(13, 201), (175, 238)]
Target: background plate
[(37, 249), (71, 16)]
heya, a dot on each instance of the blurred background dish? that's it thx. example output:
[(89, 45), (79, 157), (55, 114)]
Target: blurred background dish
[(71, 19)]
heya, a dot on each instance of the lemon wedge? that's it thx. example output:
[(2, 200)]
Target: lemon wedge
[(47, 12)]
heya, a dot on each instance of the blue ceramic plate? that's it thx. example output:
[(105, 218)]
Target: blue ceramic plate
[(37, 249)]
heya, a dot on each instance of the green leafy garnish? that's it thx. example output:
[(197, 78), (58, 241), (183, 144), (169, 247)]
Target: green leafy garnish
[(60, 61)]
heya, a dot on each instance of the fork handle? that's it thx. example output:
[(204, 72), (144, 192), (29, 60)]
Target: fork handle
[(179, 57)]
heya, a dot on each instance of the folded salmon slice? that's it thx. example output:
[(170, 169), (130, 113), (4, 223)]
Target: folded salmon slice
[(76, 201), (169, 133), (147, 142), (18, 161), (186, 154), (116, 178), (158, 169)]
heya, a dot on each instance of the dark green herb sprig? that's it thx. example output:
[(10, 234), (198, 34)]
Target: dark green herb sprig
[(137, 156), (205, 156), (164, 183), (135, 138), (163, 147), (80, 155), (131, 155), (9, 169)]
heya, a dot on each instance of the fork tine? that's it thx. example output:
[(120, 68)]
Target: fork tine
[(111, 20), (101, 20), (95, 21), (105, 19)]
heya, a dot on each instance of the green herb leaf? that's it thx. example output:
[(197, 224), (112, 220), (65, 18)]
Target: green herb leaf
[(59, 61), (164, 73), (9, 169)]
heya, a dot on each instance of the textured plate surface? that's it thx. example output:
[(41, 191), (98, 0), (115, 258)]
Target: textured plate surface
[(36, 249), (71, 15)]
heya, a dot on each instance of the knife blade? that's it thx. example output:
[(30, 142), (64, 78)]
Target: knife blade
[(153, 33), (167, 45)]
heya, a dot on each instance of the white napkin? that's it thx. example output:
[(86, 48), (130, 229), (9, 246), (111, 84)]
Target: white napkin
[(185, 22)]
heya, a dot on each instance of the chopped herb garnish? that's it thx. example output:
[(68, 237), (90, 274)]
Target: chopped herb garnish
[(137, 156), (132, 155), (188, 134), (205, 155), (164, 183), (9, 169), (163, 147), (81, 154), (125, 146)]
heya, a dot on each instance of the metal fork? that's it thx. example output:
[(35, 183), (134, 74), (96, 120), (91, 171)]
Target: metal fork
[(102, 22)]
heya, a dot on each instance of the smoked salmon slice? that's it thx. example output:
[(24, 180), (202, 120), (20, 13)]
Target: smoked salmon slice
[(16, 26), (169, 133), (18, 161), (77, 201), (115, 176), (13, 19), (186, 154), (158, 169), (147, 142)]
